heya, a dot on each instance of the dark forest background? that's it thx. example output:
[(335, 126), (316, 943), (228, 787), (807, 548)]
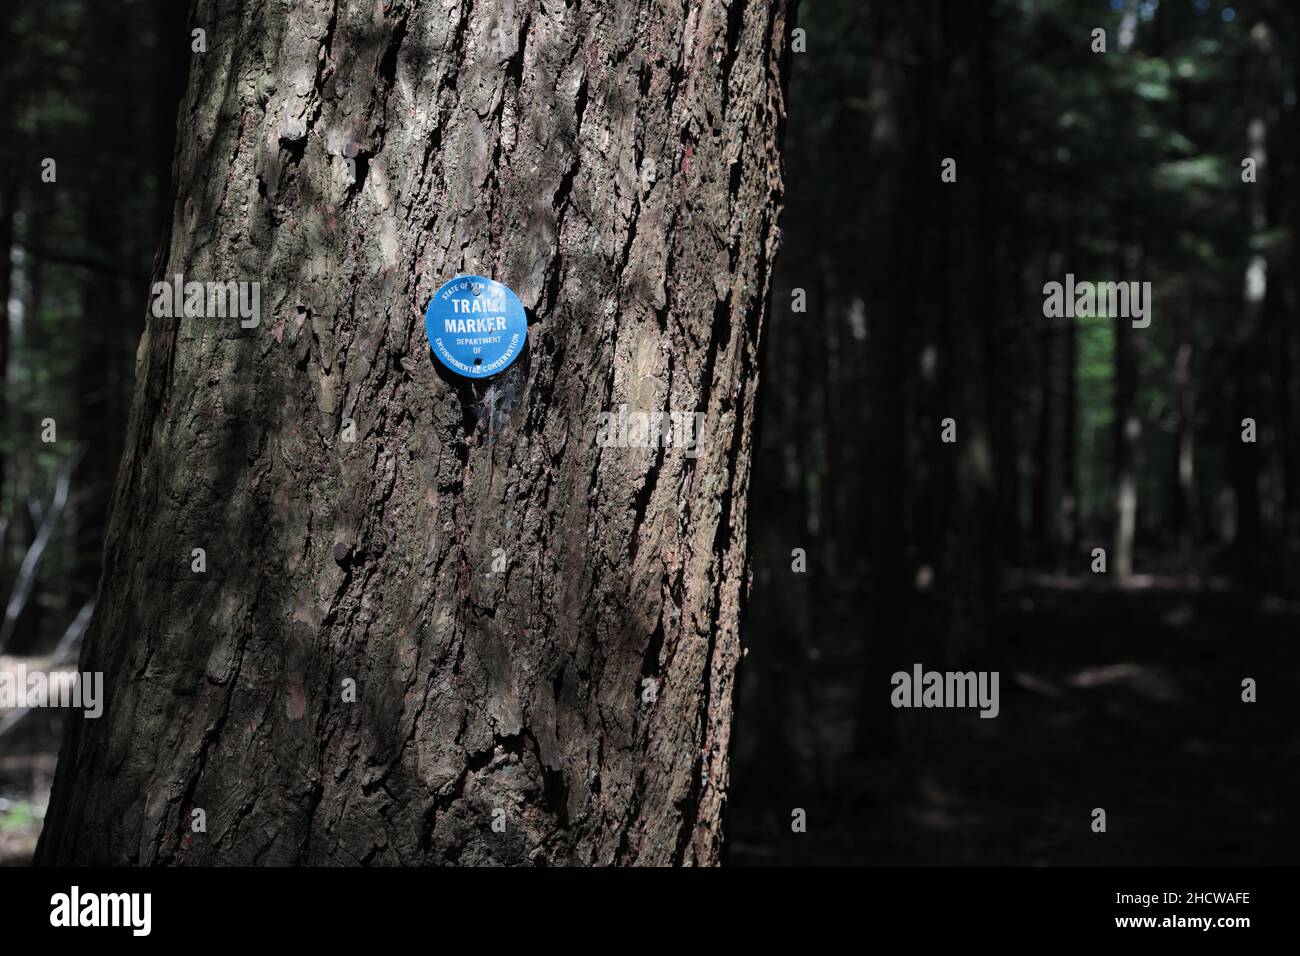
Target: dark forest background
[(925, 301), (922, 301), (93, 87)]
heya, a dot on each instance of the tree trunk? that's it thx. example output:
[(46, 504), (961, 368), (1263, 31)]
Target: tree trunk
[(618, 167), (1044, 489), (1289, 381), (10, 174), (892, 295), (1128, 435), (8, 203), (1184, 485), (1127, 419), (1246, 361), (98, 413), (969, 554), (1067, 536)]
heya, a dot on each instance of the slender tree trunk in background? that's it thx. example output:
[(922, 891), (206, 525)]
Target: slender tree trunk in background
[(616, 166), (1290, 351), (109, 312), (969, 552), (1066, 504), (9, 180), (8, 203), (1246, 362), (1127, 421), (1068, 508), (1128, 433), (1184, 491), (816, 504), (26, 484), (1272, 345), (890, 298), (832, 361), (1289, 436), (1042, 491), (1292, 333), (1009, 419)]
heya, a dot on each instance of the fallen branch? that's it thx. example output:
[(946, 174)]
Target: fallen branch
[(32, 559)]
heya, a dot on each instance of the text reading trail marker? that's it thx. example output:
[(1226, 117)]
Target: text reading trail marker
[(476, 326)]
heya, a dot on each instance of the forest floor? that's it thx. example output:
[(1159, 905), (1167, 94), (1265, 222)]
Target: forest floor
[(1128, 699), (1125, 699), (29, 745)]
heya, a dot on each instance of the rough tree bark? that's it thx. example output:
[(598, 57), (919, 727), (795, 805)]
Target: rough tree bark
[(617, 165)]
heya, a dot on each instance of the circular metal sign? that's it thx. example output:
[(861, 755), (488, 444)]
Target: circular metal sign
[(476, 326)]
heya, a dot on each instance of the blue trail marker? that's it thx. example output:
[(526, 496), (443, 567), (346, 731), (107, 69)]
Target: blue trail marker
[(476, 326)]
